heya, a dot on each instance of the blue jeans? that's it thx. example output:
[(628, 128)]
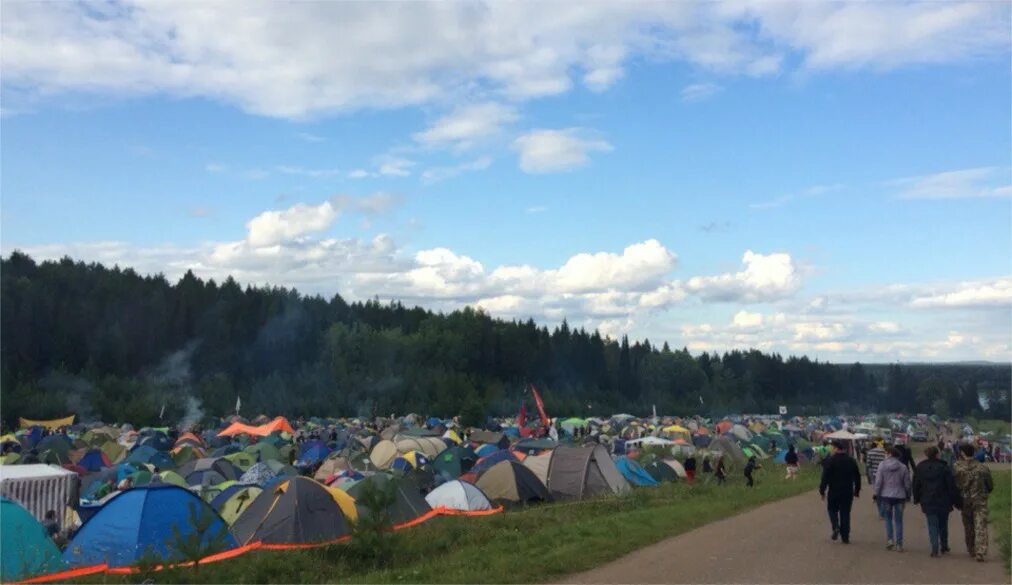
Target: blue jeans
[(893, 510), (938, 530)]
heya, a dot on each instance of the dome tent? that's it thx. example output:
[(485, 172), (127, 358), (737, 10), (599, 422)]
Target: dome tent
[(510, 482), (25, 547), (408, 502), (582, 472), (458, 495), (295, 511), (142, 522), (633, 473)]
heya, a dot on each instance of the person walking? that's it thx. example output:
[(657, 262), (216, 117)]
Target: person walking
[(841, 483), (750, 468), (973, 479), (873, 458), (690, 468), (936, 493), (892, 490), (720, 471), (791, 459)]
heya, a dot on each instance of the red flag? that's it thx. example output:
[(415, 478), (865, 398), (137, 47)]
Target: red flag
[(541, 406), (522, 417)]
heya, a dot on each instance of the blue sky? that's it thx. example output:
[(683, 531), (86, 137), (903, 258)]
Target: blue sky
[(827, 179)]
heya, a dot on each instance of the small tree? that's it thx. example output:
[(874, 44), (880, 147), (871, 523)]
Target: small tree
[(370, 540), (201, 540)]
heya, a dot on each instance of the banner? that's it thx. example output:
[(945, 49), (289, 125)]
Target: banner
[(49, 424)]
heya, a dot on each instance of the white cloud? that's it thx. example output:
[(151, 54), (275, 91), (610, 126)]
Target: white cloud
[(536, 209), (962, 184), (468, 124), (764, 277), (215, 167), (698, 92), (393, 166), (550, 151), (437, 174), (273, 227), (359, 174), (746, 320), (294, 60), (994, 293)]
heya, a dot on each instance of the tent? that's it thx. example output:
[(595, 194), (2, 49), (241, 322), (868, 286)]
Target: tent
[(454, 462), (331, 466), (142, 523), (660, 471), (295, 511), (408, 461), (510, 482), (633, 473), (488, 461), (729, 448), (539, 464), (428, 446), (259, 475), (234, 500), (25, 548), (94, 460), (499, 440), (312, 452), (264, 451), (583, 472), (408, 502), (458, 495), (383, 454)]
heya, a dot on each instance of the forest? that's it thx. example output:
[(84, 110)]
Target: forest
[(113, 345)]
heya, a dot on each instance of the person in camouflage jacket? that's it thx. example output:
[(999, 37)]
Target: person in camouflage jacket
[(973, 479)]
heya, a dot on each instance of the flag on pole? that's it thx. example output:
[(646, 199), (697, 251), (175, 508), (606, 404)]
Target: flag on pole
[(161, 413), (522, 417), (238, 404), (541, 406)]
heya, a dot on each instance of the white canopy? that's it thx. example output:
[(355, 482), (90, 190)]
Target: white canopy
[(844, 435), (650, 441)]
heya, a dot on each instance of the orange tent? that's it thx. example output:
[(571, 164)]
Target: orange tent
[(724, 426), (189, 437), (278, 424)]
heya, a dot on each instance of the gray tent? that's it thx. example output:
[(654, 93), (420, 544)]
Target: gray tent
[(584, 472)]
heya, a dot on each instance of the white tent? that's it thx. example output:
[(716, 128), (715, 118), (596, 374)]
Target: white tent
[(650, 441), (843, 435), (458, 495)]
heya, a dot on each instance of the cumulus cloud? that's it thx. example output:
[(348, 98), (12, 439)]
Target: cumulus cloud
[(273, 227), (294, 60), (763, 277), (467, 124), (962, 184), (551, 151)]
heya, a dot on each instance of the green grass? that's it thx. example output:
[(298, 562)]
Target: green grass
[(1000, 506), (991, 425), (523, 546)]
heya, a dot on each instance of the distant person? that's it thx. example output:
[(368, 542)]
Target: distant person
[(707, 467), (936, 493), (841, 483), (51, 525), (906, 455), (892, 490), (690, 469), (873, 458), (720, 472), (973, 479), (750, 468), (791, 459)]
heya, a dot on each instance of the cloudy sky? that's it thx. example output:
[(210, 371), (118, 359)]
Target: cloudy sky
[(829, 179)]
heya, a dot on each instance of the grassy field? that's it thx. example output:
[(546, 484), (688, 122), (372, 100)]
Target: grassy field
[(1000, 506), (523, 546)]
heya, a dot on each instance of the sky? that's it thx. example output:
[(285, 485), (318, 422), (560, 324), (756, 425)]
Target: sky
[(810, 178)]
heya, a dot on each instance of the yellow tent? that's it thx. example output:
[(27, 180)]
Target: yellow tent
[(49, 424), (675, 429), (237, 503)]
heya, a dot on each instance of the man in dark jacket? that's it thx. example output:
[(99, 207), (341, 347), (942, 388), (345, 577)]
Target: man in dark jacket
[(935, 490), (841, 477)]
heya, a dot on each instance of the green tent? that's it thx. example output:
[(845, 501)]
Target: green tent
[(25, 549), (263, 451)]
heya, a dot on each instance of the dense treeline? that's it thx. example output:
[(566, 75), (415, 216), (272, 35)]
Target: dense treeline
[(110, 344)]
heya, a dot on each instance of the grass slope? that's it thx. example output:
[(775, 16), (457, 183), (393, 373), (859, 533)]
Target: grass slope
[(1000, 507), (523, 546)]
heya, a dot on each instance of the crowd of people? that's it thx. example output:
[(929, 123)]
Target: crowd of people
[(960, 481)]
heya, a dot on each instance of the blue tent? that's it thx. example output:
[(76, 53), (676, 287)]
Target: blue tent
[(148, 454), (313, 452), (633, 473), (94, 460), (25, 548), (139, 523)]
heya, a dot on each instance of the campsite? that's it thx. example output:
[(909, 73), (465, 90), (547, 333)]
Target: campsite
[(229, 498)]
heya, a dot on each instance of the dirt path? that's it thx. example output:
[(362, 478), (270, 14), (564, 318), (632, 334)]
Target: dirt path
[(788, 542)]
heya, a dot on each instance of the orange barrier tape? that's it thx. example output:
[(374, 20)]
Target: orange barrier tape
[(241, 550), (68, 574)]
